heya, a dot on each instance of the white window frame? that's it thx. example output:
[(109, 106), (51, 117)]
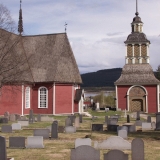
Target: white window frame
[(40, 95), (27, 97)]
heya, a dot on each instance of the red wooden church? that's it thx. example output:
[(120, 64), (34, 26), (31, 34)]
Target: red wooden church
[(137, 89), (40, 73)]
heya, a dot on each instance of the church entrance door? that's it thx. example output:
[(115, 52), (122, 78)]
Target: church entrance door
[(136, 105)]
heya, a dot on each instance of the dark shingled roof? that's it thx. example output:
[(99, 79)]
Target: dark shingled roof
[(137, 74), (44, 58), (137, 37)]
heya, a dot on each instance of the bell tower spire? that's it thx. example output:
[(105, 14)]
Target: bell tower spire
[(20, 22), (137, 44)]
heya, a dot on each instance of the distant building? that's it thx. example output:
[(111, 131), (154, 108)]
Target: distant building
[(137, 89), (47, 81)]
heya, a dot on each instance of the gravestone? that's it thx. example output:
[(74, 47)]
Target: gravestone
[(138, 116), (54, 129), (115, 155), (6, 129), (68, 122), (128, 119), (23, 123), (12, 117), (61, 129), (125, 113), (16, 126), (158, 121), (82, 141), (16, 142), (146, 126), (3, 120), (153, 124), (113, 142), (85, 152), (112, 121), (3, 153), (70, 129), (112, 128), (18, 116), (122, 128), (41, 132), (72, 118), (149, 119), (137, 149), (123, 134), (138, 123), (131, 128), (38, 118), (35, 142), (80, 118), (76, 124), (106, 120), (97, 127), (31, 118), (6, 115)]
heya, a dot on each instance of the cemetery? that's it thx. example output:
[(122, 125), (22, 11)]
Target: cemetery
[(112, 134)]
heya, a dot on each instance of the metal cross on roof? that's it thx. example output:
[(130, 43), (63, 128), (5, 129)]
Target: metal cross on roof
[(65, 26), (137, 8)]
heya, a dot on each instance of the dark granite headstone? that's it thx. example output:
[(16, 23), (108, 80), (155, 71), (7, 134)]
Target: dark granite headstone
[(115, 155), (3, 120), (31, 117), (85, 152), (128, 119), (112, 128), (38, 118), (158, 121), (138, 115), (16, 142), (137, 148), (6, 129), (97, 127), (41, 132), (72, 118), (149, 119), (54, 129), (3, 153), (80, 118), (61, 129)]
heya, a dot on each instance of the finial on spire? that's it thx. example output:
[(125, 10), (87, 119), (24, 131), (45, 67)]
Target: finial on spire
[(65, 27), (20, 22), (136, 8)]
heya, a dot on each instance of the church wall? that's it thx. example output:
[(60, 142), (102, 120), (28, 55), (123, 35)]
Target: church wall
[(152, 98), (64, 99), (11, 99), (34, 103), (122, 98)]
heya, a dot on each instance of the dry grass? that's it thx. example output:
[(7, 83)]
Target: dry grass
[(59, 149)]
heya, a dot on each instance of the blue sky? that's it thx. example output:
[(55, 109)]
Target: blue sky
[(96, 29)]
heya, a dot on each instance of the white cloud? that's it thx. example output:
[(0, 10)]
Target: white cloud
[(96, 29)]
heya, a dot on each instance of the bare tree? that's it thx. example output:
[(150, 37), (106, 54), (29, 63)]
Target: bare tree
[(13, 61), (157, 74)]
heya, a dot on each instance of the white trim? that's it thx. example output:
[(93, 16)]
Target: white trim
[(140, 52), (146, 96), (54, 98), (133, 50), (72, 98), (22, 98), (29, 102), (39, 97), (116, 97), (158, 94)]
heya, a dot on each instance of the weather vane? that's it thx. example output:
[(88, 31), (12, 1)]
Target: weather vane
[(65, 26)]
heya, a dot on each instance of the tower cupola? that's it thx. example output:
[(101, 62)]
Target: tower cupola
[(137, 44)]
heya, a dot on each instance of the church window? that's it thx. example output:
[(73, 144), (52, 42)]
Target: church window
[(27, 97), (129, 50), (144, 50), (136, 50), (43, 97)]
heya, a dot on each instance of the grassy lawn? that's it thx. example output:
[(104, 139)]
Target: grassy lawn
[(59, 149)]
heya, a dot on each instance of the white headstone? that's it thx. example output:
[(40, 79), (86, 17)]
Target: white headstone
[(35, 142), (16, 126)]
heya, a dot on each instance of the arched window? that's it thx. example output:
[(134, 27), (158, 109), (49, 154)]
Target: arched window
[(27, 97), (43, 97)]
